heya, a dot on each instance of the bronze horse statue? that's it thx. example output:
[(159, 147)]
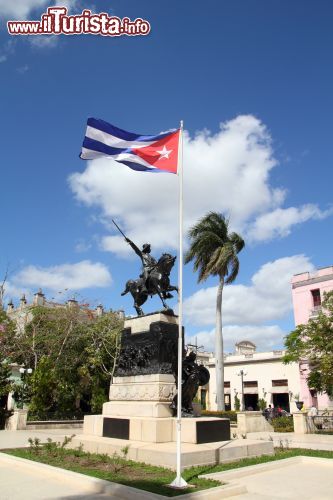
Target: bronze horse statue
[(157, 282)]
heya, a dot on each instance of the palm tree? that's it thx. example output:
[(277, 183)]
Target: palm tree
[(214, 252)]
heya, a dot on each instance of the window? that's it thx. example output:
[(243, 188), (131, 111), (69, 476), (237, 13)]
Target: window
[(253, 383), (316, 297), (226, 384), (280, 383)]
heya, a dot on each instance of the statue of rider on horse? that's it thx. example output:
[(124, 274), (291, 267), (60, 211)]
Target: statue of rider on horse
[(154, 278)]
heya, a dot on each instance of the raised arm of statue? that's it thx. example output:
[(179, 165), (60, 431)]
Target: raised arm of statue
[(135, 248)]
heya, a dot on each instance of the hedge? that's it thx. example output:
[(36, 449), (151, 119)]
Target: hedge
[(221, 414)]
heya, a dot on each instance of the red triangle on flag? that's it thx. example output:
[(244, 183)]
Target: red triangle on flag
[(163, 154)]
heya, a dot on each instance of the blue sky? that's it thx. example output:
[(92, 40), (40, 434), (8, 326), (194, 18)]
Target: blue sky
[(252, 81)]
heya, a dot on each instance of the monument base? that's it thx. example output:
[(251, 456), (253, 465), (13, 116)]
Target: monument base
[(164, 454), (157, 430), (138, 414)]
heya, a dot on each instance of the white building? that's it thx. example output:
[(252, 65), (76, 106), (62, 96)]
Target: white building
[(264, 377)]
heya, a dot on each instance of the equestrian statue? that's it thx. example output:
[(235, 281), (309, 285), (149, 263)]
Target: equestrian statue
[(154, 278)]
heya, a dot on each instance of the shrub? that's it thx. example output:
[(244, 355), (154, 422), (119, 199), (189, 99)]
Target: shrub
[(283, 424), (237, 403), (232, 415), (262, 404)]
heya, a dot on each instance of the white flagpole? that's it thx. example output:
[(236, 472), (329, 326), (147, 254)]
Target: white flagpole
[(179, 482)]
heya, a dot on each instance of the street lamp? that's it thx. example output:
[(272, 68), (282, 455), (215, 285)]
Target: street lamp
[(22, 393), (242, 374), (23, 370)]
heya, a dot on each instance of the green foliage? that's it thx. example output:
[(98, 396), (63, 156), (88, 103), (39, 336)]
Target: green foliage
[(262, 404), (314, 342), (7, 332), (7, 329), (34, 445), (232, 415), (22, 392), (73, 355), (6, 385), (151, 478), (44, 387), (237, 403), (213, 250), (282, 424), (116, 468)]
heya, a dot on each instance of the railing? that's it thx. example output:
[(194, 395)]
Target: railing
[(321, 424)]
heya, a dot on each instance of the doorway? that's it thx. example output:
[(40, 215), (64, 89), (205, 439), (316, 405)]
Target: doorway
[(282, 400), (251, 401)]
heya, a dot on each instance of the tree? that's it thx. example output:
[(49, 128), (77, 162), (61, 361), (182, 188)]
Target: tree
[(214, 252), (73, 355), (5, 382), (6, 385), (313, 342), (2, 287)]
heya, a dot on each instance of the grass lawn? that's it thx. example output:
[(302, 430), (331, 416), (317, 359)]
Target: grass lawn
[(139, 475)]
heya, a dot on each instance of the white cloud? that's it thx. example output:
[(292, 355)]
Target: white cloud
[(23, 69), (82, 246), (116, 245), (267, 299), (43, 41), (20, 9), (226, 172), (279, 222), (7, 49), (13, 291), (264, 337), (84, 274)]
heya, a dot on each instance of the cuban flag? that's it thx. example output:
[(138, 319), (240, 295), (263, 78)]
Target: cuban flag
[(150, 153)]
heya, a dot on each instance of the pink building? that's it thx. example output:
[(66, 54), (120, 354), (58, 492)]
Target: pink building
[(307, 292)]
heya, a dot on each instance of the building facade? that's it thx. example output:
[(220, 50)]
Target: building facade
[(23, 313), (308, 293), (250, 376)]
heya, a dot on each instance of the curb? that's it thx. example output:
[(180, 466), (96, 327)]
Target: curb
[(250, 470), (101, 486)]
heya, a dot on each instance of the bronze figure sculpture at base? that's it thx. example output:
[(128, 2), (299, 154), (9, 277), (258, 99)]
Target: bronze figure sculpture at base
[(193, 375)]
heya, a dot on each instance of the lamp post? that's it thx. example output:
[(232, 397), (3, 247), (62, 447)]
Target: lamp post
[(242, 374), (23, 370)]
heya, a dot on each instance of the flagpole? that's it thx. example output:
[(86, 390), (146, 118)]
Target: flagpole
[(179, 482)]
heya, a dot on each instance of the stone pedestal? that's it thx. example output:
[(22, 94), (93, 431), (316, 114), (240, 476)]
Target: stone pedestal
[(252, 421), (158, 430), (144, 386), (138, 412), (18, 421), (301, 425)]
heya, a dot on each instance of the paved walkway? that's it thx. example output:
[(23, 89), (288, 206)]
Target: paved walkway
[(19, 481), (297, 478), (292, 440), (304, 478), (19, 439)]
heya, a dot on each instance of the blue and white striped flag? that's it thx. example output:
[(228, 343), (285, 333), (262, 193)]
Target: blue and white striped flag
[(138, 152)]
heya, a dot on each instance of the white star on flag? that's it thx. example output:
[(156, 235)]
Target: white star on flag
[(164, 153)]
